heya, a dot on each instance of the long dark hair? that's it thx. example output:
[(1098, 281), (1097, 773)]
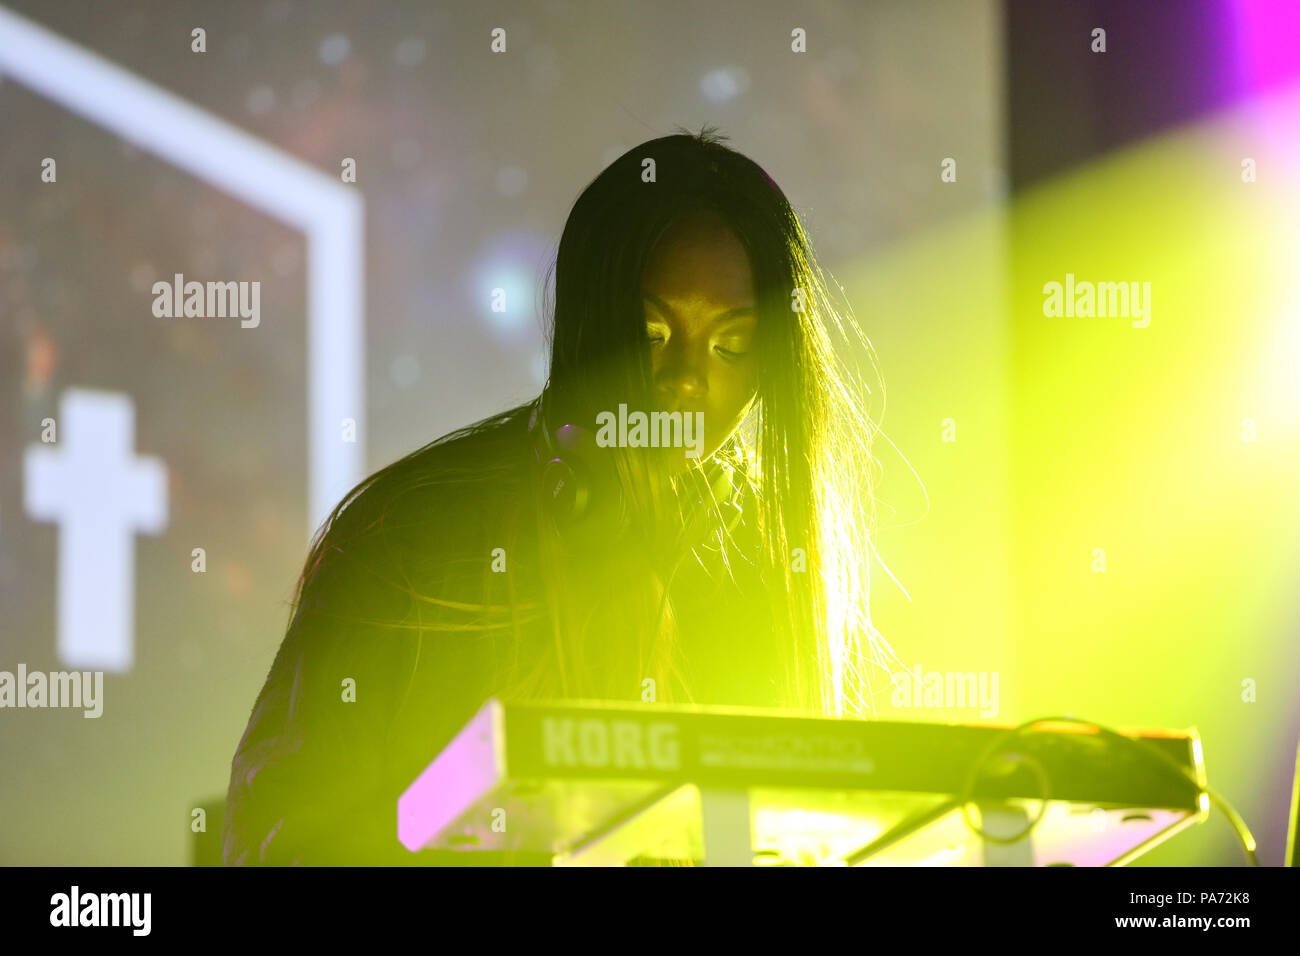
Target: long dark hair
[(605, 610)]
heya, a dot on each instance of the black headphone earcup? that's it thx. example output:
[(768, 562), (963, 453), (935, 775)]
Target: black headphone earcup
[(566, 489), (581, 501)]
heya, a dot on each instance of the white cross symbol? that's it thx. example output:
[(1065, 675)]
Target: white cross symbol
[(99, 495)]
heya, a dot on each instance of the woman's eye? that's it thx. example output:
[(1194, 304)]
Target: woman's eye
[(728, 353)]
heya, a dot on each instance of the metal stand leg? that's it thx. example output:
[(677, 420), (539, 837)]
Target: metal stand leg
[(1006, 821), (724, 817)]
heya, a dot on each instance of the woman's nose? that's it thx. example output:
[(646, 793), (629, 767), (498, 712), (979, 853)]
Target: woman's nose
[(682, 379)]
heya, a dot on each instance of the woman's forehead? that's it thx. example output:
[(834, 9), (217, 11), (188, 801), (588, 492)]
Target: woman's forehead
[(703, 268)]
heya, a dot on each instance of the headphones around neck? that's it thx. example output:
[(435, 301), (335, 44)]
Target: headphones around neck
[(577, 491)]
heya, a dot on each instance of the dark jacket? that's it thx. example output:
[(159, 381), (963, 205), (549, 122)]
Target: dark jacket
[(315, 778)]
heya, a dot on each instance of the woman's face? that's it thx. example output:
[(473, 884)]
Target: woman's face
[(698, 294)]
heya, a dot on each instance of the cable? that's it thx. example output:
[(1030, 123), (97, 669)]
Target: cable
[(1239, 827)]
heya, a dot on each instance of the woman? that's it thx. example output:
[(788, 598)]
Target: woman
[(554, 551)]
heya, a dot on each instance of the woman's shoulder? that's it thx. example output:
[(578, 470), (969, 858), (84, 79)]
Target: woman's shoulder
[(442, 507), (474, 467)]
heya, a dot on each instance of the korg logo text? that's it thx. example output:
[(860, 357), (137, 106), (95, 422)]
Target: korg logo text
[(622, 744)]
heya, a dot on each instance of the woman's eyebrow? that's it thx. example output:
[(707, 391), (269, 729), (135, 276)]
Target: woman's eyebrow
[(740, 312)]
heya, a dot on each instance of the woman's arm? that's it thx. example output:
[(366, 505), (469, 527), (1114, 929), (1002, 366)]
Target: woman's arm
[(309, 781), (390, 606)]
